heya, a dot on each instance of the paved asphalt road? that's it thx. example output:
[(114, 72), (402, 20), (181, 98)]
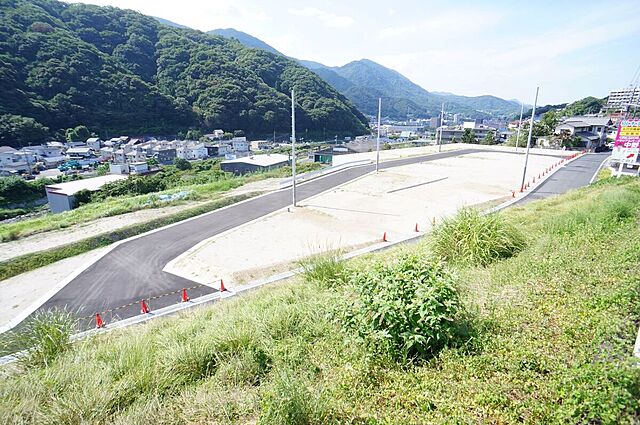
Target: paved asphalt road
[(133, 270), (572, 176)]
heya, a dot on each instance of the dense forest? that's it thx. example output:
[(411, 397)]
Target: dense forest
[(117, 71)]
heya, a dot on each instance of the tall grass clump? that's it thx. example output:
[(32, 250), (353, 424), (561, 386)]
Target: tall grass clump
[(406, 309), (288, 400), (326, 269), (43, 337), (470, 238)]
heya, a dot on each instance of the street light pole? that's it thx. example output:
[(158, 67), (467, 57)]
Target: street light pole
[(293, 143), (526, 157), (441, 125), (378, 139), (519, 126)]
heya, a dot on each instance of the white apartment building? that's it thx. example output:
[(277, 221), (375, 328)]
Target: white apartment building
[(620, 99)]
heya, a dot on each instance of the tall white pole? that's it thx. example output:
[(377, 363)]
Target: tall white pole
[(526, 157), (519, 126), (293, 143), (378, 139), (441, 126)]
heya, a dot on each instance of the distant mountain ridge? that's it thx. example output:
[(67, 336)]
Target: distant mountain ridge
[(364, 81)]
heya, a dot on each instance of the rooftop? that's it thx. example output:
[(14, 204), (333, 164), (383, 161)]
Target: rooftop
[(6, 149), (92, 184), (260, 160)]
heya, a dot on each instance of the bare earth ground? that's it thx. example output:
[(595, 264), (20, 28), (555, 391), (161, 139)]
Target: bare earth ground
[(349, 217), (356, 214), (55, 238)]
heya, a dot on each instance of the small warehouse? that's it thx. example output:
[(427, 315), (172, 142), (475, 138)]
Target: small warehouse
[(61, 195), (251, 164)]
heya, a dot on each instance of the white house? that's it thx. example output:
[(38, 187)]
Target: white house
[(94, 143), (240, 144), (80, 152), (592, 131), (11, 161), (191, 150)]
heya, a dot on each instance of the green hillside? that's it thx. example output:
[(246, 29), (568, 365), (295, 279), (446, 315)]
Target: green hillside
[(118, 71)]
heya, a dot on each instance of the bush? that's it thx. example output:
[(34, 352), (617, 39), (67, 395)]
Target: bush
[(325, 269), (45, 336), (474, 239), (11, 213), (182, 164), (406, 309)]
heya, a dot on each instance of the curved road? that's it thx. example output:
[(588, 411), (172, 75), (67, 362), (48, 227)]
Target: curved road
[(133, 270)]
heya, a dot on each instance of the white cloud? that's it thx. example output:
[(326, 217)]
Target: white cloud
[(328, 19)]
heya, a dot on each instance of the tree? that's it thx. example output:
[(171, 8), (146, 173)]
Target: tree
[(18, 131), (469, 136), (78, 134), (548, 123), (151, 162), (227, 136), (193, 134), (182, 164), (489, 139)]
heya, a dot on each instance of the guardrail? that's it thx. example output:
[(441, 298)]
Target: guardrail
[(319, 173)]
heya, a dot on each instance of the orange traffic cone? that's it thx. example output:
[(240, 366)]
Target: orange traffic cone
[(144, 308), (222, 288), (384, 237), (416, 228), (184, 297), (513, 193), (99, 322)]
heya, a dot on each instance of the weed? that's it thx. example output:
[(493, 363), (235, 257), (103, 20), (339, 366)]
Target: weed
[(475, 239)]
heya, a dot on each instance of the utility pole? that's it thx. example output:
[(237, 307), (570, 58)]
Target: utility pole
[(526, 157), (441, 126), (378, 139), (519, 126), (293, 143)]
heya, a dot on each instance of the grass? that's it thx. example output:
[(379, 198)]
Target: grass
[(554, 328), (476, 239), (327, 269), (28, 262)]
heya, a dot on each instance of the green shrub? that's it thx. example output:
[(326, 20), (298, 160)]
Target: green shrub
[(406, 309), (326, 269), (474, 239), (45, 336)]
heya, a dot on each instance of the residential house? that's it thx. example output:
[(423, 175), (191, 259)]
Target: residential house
[(260, 145), (94, 143), (83, 152), (164, 155), (240, 145), (191, 150), (592, 131), (11, 162), (216, 135), (61, 196)]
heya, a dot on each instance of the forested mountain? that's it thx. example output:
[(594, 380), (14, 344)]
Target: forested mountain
[(245, 39), (117, 71), (364, 81), (588, 105)]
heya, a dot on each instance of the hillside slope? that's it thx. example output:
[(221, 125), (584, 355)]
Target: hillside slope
[(118, 71)]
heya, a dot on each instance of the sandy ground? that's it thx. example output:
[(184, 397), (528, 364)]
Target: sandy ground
[(355, 214), (424, 150), (55, 238), (19, 292)]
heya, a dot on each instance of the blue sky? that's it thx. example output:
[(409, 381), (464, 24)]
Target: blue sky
[(572, 49)]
